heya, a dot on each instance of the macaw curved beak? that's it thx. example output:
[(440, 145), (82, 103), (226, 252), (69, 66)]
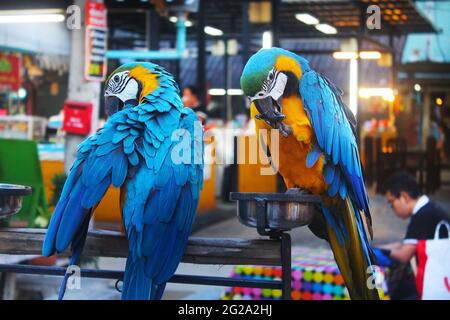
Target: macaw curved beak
[(270, 112), (112, 105)]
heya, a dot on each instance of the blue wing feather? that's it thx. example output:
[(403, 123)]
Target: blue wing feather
[(134, 148), (332, 123), (313, 156), (325, 108), (167, 212)]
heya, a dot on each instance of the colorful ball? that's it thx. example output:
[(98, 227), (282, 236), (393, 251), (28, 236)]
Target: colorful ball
[(296, 295), (297, 274), (308, 275), (247, 291), (327, 288), (276, 293), (317, 296), (248, 270), (338, 279), (277, 272), (297, 285), (307, 296), (316, 287), (267, 271), (266, 293), (257, 270), (338, 290), (257, 292), (328, 278), (307, 286), (318, 276)]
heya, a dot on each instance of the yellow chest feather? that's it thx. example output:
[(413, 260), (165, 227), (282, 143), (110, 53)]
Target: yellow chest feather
[(294, 148)]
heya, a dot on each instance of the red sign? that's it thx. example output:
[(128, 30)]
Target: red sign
[(9, 71), (95, 41), (77, 117), (96, 15)]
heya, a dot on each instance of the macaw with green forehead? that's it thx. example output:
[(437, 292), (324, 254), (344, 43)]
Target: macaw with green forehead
[(318, 152), (152, 149)]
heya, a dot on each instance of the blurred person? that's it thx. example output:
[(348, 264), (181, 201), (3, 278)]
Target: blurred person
[(442, 142), (446, 132), (191, 99), (438, 133), (409, 202)]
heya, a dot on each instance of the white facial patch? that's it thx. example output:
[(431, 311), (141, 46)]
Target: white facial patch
[(279, 85), (122, 86), (273, 86)]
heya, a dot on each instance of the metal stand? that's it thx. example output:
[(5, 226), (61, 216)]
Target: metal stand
[(271, 214), (285, 241), (211, 251)]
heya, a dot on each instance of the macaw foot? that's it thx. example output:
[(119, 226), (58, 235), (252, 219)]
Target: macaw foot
[(297, 191), (285, 129)]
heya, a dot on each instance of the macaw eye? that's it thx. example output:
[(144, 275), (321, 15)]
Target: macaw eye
[(271, 75), (116, 78)]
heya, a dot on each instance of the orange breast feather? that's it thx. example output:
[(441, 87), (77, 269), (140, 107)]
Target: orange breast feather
[(294, 149)]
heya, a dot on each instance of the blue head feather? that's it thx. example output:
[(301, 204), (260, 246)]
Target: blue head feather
[(260, 64)]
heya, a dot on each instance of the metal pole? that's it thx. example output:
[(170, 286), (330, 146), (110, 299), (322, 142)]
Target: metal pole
[(201, 60), (226, 72), (286, 265), (114, 274), (275, 24), (153, 30), (245, 39)]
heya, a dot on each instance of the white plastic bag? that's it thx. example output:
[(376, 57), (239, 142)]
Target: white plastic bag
[(433, 275)]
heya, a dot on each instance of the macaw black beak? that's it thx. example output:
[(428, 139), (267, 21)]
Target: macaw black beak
[(268, 111), (112, 105)]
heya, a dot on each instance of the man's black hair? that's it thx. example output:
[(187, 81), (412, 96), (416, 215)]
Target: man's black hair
[(195, 91), (402, 181)]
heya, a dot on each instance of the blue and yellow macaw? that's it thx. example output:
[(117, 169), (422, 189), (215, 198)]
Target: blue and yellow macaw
[(318, 152), (152, 149)]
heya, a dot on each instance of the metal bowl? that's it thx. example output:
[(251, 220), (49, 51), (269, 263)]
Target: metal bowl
[(11, 198), (283, 211)]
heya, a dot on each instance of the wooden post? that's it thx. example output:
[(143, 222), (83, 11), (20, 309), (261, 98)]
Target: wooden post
[(114, 244), (425, 117), (7, 286)]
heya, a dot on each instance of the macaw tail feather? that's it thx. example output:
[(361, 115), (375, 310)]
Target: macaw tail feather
[(77, 248), (351, 249), (63, 285), (137, 285)]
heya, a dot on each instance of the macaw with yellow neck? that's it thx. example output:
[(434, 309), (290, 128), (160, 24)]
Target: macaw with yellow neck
[(318, 152), (151, 147)]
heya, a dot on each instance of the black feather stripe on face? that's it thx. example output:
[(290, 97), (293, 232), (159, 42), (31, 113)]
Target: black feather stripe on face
[(291, 85), (118, 83)]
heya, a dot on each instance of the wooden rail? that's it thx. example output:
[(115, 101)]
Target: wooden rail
[(114, 244)]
